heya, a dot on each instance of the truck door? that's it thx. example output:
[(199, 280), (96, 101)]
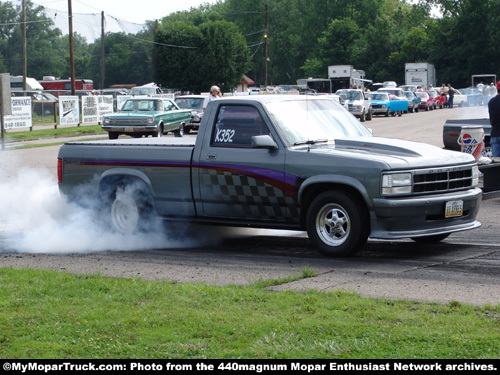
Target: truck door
[(236, 180)]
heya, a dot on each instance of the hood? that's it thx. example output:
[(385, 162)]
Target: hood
[(399, 154)]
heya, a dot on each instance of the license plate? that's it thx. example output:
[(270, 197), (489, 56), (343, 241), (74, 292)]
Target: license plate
[(454, 209), (128, 130)]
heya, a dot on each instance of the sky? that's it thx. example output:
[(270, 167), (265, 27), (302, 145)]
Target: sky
[(136, 11), (126, 16)]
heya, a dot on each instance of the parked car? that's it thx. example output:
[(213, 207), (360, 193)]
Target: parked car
[(409, 87), (426, 102), (357, 103), (474, 96), (147, 116), (434, 98), (195, 104), (413, 101), (386, 104), (440, 101), (148, 89), (459, 99)]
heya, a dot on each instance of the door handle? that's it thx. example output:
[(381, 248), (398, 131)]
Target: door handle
[(211, 156)]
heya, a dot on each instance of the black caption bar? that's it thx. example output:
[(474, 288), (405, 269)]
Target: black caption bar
[(248, 366)]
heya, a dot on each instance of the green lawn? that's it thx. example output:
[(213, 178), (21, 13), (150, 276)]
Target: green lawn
[(47, 314)]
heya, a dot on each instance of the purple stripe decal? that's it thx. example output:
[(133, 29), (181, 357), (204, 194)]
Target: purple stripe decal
[(283, 181)]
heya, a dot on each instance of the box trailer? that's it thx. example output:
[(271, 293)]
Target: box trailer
[(420, 74)]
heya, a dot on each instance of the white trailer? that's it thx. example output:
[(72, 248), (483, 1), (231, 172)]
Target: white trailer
[(345, 76), (420, 74)]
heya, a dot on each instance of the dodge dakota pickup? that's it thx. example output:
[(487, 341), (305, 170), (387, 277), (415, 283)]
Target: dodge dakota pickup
[(283, 162)]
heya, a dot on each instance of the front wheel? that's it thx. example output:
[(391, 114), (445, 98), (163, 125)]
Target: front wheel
[(179, 132), (159, 131), (337, 224)]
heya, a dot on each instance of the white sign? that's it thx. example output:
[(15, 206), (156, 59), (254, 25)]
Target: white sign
[(104, 105), (96, 106), (69, 112), (21, 113), (90, 111)]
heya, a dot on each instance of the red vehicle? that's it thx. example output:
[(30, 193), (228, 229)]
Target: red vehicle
[(434, 95), (426, 101), (59, 86)]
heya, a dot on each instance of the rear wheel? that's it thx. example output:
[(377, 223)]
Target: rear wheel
[(131, 209), (337, 224)]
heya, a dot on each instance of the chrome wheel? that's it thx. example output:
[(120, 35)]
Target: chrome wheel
[(124, 213), (333, 224)]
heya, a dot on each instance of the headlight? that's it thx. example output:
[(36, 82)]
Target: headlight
[(383, 106), (106, 121), (150, 121), (396, 183), (196, 118), (475, 175)]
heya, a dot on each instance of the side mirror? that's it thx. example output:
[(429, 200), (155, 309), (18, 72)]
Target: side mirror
[(264, 141)]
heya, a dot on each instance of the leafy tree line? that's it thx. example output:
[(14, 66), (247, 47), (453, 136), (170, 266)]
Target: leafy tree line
[(216, 44)]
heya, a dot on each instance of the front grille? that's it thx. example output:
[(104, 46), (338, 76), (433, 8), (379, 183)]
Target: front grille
[(128, 121), (442, 180)]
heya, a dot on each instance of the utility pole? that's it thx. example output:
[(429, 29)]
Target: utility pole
[(25, 72), (71, 54), (265, 43), (103, 66)]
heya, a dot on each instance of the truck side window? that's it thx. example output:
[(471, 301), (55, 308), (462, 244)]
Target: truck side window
[(236, 125)]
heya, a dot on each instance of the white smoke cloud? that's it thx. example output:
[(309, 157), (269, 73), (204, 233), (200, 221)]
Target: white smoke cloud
[(36, 218)]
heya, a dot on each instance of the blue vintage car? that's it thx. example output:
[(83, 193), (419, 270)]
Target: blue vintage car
[(386, 104)]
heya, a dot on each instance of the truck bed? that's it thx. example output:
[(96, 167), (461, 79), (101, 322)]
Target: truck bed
[(149, 141)]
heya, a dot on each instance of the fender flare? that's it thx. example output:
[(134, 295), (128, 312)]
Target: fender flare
[(333, 180)]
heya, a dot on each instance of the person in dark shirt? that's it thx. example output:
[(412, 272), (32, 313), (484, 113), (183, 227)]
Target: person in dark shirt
[(494, 112)]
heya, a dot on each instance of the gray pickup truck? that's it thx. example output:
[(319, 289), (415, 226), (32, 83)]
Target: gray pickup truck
[(284, 162)]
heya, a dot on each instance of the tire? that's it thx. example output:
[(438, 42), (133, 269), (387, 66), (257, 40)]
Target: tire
[(179, 132), (387, 113), (131, 208), (187, 130), (369, 116), (113, 135), (159, 132), (426, 108), (337, 224), (431, 239), (362, 118)]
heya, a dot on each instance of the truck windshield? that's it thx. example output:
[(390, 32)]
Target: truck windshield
[(299, 121)]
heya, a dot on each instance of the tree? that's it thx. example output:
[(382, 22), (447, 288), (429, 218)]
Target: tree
[(214, 51)]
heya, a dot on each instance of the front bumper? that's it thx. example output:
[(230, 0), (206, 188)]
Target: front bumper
[(423, 215), (125, 129)]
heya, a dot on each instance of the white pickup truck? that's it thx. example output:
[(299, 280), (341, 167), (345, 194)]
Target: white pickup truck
[(357, 103)]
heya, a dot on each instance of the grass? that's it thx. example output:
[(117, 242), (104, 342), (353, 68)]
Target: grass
[(75, 131), (48, 314)]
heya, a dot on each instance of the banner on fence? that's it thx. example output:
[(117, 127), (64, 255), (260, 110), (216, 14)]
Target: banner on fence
[(21, 113), (69, 112)]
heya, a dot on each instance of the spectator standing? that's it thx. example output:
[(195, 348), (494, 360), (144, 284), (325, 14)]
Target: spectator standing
[(214, 95), (443, 90), (451, 94), (494, 112)]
